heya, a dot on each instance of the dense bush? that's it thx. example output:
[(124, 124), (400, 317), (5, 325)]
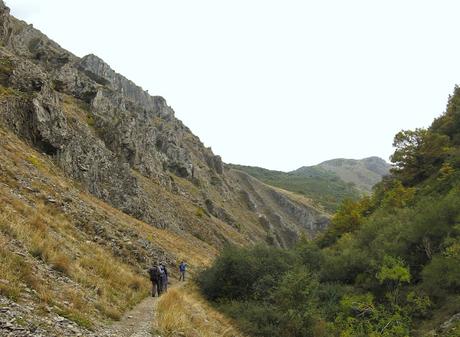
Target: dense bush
[(386, 263), (245, 273)]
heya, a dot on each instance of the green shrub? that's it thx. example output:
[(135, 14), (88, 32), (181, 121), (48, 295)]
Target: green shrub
[(237, 273)]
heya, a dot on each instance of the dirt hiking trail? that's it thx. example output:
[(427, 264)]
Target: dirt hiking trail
[(136, 323)]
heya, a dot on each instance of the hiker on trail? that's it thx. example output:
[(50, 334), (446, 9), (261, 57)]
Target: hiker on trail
[(160, 278), (164, 277), (182, 268), (154, 273)]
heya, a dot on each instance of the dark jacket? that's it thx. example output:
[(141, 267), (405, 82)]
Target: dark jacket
[(154, 273)]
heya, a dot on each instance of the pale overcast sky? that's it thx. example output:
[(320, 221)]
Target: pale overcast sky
[(278, 84)]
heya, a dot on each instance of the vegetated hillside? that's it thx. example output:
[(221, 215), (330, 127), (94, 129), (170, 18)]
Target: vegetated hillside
[(98, 179), (363, 173), (69, 261), (328, 183), (388, 265)]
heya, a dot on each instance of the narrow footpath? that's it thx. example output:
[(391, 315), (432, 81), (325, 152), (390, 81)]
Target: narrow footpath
[(136, 323)]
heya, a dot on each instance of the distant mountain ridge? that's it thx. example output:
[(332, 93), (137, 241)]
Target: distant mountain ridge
[(327, 183), (363, 173)]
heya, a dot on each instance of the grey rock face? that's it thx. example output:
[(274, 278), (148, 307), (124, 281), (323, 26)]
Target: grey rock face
[(123, 145), (282, 218), (308, 218), (101, 72)]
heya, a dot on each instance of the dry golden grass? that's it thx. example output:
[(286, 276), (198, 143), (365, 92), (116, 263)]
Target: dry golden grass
[(74, 108), (109, 286), (13, 270), (182, 312), (52, 247)]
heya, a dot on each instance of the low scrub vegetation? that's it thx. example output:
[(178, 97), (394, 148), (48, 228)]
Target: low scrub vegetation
[(388, 265)]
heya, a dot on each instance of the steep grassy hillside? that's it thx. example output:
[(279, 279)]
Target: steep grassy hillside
[(328, 183), (323, 187), (64, 253)]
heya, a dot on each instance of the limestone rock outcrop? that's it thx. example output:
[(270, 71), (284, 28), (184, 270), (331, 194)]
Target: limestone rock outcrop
[(127, 148)]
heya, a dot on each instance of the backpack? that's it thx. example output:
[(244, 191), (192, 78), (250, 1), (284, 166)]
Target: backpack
[(154, 274)]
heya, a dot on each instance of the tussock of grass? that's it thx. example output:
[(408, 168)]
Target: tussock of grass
[(182, 312), (35, 162), (13, 270)]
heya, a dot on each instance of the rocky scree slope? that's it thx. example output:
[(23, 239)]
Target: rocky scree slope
[(128, 148)]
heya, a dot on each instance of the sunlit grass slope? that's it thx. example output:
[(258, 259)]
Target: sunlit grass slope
[(183, 312), (63, 249)]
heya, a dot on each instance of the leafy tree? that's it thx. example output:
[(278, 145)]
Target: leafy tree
[(393, 271), (443, 271), (393, 274), (449, 123), (296, 300), (418, 304), (362, 317), (348, 218), (418, 154)]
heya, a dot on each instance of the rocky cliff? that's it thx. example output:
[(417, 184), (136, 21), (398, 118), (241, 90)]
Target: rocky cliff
[(127, 148)]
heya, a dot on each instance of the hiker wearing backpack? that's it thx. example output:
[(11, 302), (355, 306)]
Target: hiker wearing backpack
[(164, 280), (160, 278), (155, 278), (182, 268)]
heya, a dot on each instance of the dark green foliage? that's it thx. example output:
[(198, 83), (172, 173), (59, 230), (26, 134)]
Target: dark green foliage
[(309, 254), (387, 263), (295, 299), (245, 273), (418, 154), (449, 123), (266, 289)]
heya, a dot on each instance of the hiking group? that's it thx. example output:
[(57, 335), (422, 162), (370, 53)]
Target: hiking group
[(159, 277)]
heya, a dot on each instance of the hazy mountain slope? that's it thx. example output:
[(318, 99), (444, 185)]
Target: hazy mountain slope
[(327, 183), (324, 187), (363, 173)]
